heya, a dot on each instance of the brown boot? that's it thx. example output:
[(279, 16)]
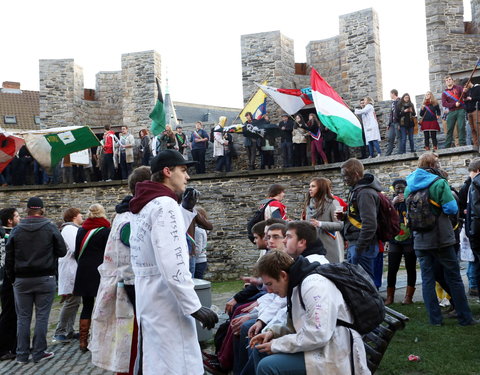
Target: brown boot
[(408, 296), (390, 296), (84, 332)]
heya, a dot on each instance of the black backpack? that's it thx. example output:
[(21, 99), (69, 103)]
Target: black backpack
[(361, 296), (420, 215), (212, 136), (257, 217)]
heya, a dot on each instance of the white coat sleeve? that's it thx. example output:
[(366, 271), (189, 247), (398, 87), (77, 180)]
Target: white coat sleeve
[(364, 110), (269, 312), (171, 255), (320, 320)]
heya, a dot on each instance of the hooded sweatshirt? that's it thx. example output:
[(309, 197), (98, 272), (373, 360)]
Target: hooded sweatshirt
[(439, 191), (363, 204), (146, 191), (33, 248)]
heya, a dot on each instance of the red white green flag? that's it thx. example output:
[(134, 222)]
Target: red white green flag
[(334, 113)]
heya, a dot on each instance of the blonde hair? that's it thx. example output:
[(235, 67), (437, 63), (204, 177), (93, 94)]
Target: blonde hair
[(433, 100), (369, 100), (96, 210), (222, 121)]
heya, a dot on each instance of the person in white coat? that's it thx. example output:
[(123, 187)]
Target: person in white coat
[(312, 343), (166, 302), (370, 126), (220, 146), (113, 326), (67, 269)]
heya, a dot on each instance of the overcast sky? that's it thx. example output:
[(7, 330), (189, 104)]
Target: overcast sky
[(199, 40)]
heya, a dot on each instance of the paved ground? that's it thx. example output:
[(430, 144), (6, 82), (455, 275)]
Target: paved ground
[(70, 360)]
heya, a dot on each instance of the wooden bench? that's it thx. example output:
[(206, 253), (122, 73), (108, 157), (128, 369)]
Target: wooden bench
[(376, 342)]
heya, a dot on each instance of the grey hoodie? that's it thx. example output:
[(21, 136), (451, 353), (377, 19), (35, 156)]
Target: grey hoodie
[(363, 205), (33, 248)]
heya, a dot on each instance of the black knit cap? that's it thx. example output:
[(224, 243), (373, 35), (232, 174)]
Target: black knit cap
[(35, 203)]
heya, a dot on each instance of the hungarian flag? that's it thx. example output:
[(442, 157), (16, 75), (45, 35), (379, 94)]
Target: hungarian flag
[(334, 113), (49, 146), (158, 114), (257, 106), (290, 100), (9, 146)]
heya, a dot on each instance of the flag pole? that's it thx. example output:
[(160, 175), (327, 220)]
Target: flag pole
[(471, 76)]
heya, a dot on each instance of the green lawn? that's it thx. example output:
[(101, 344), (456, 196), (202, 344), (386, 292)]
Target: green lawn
[(447, 350), (227, 286)]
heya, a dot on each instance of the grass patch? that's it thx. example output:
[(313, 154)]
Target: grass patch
[(450, 349), (227, 286)]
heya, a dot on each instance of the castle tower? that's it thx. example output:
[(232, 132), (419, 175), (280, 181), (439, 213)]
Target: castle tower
[(360, 60), (61, 92), (450, 50), (139, 71), (267, 56)]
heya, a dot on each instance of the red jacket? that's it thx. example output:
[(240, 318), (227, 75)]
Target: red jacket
[(108, 144)]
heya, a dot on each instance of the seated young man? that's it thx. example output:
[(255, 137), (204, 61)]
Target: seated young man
[(313, 343)]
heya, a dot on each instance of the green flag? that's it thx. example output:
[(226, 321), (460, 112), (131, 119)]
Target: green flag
[(158, 114), (49, 146)]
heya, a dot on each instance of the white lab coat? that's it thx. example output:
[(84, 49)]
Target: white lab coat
[(113, 316), (165, 295), (67, 265), (370, 124), (315, 332), (219, 142)]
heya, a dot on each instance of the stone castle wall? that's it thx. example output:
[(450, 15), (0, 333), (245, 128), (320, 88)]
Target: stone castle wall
[(230, 200), (123, 97), (449, 48), (57, 94), (350, 61)]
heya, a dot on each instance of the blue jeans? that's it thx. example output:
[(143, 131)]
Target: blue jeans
[(200, 269), (223, 161), (366, 258), (240, 351), (374, 145), (392, 133), (287, 152), (378, 270), (279, 364), (126, 168), (404, 131), (471, 274), (447, 258), (29, 292)]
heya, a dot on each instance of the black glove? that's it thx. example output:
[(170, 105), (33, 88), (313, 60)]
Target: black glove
[(206, 316), (189, 198)]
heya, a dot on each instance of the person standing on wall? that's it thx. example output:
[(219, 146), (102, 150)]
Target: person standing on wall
[(109, 144), (472, 103), (286, 145), (126, 144), (250, 143), (199, 141), (32, 270), (430, 113), (393, 129), (405, 114), (455, 110), (370, 126)]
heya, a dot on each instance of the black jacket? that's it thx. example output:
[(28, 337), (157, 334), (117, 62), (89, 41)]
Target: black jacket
[(474, 104), (472, 223), (33, 248), (287, 132), (363, 205)]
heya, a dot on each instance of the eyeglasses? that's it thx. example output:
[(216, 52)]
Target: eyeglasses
[(274, 237)]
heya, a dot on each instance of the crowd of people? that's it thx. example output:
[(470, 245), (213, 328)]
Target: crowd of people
[(299, 140), (133, 275)]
